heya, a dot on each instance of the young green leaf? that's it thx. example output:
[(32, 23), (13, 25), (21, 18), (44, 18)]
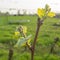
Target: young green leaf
[(22, 41)]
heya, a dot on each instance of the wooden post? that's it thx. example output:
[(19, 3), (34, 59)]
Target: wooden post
[(53, 45), (10, 54)]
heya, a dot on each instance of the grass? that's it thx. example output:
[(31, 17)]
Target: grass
[(46, 37)]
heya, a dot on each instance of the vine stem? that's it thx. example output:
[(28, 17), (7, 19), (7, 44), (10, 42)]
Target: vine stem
[(39, 23), (32, 48)]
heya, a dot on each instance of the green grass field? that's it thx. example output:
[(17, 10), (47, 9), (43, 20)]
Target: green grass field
[(48, 32)]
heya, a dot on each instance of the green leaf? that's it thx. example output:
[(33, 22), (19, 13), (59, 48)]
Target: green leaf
[(22, 41)]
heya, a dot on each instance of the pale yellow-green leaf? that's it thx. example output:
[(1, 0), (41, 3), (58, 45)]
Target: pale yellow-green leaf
[(22, 41), (41, 12), (17, 33), (24, 29), (51, 14)]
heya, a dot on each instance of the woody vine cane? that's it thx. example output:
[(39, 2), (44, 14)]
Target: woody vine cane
[(39, 23)]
